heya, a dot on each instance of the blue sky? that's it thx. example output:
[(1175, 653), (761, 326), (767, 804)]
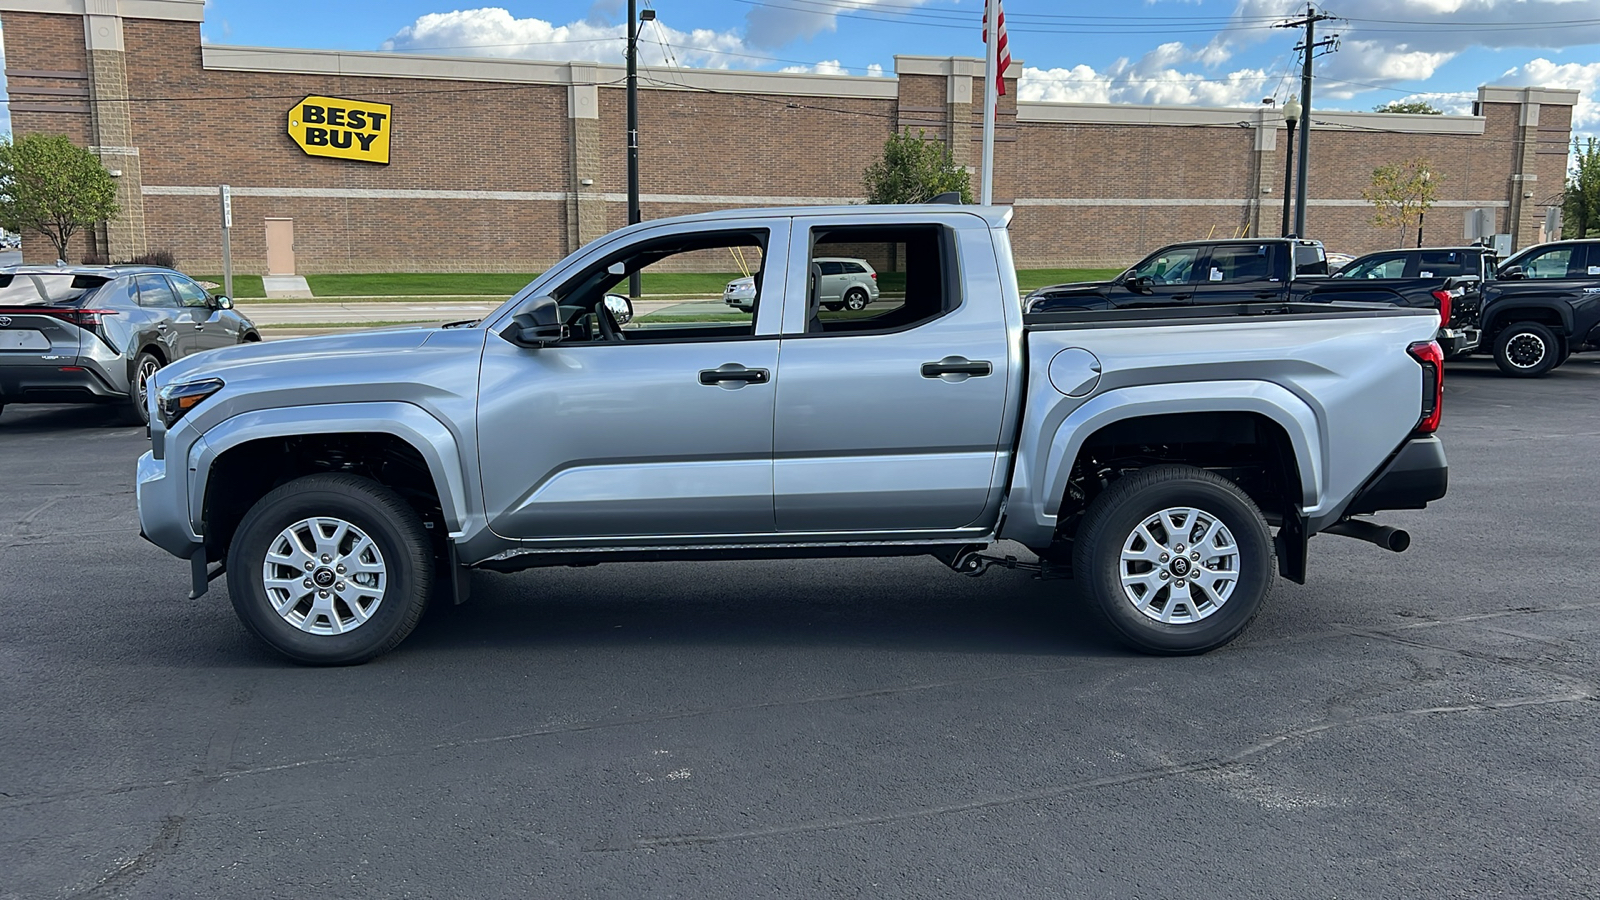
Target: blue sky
[(1201, 52)]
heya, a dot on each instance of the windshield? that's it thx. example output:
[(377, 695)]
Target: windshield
[(46, 288)]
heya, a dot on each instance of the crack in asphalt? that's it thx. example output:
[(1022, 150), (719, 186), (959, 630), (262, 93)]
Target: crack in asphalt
[(1143, 775)]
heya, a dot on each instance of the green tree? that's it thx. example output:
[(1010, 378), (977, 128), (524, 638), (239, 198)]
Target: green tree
[(1580, 205), (1402, 194), (50, 185), (914, 169), (1415, 107)]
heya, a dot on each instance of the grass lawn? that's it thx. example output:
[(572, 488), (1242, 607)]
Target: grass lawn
[(245, 287), (1030, 279)]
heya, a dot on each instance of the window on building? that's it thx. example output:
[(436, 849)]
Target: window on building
[(879, 278)]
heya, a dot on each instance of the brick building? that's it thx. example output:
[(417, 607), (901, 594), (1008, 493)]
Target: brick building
[(507, 165)]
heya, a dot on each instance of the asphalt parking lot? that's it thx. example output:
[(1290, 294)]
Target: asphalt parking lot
[(1404, 725)]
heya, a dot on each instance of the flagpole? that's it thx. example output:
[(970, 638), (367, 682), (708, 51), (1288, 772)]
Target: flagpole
[(991, 100)]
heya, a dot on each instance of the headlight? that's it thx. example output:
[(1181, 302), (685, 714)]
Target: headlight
[(175, 400)]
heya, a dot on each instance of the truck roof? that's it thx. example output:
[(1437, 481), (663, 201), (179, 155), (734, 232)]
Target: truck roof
[(995, 216)]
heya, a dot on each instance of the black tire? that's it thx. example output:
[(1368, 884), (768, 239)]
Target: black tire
[(1111, 522), (855, 299), (1527, 350), (834, 307), (145, 365), (378, 512)]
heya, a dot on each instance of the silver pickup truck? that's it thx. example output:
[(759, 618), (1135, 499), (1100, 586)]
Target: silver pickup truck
[(1172, 462)]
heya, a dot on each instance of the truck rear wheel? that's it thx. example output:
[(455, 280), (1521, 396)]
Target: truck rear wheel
[(1527, 350), (1176, 559), (330, 569)]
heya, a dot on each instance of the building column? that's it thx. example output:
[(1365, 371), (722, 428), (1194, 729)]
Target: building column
[(586, 205), (959, 84), (1524, 229), (111, 126), (1267, 120)]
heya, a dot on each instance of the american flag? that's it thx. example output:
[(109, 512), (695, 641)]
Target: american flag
[(1003, 53)]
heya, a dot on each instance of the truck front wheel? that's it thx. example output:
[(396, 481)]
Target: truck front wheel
[(1176, 559), (330, 569), (1527, 350)]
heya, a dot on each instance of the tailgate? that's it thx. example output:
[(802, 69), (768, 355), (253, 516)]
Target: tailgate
[(37, 339)]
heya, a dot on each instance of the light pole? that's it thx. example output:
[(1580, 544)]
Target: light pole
[(1422, 205), (634, 18), (1291, 116)]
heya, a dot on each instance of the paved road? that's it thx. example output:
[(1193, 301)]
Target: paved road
[(1403, 726)]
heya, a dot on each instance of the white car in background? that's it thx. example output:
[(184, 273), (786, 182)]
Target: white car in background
[(846, 284), (741, 294)]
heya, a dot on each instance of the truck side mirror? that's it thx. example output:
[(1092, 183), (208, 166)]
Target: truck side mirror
[(1512, 273), (1138, 283), (620, 307), (537, 326)]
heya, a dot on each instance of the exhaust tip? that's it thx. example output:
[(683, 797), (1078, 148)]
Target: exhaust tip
[(1399, 540)]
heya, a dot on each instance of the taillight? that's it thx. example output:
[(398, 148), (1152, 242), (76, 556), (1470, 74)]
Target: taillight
[(1443, 297), (90, 319), (1431, 358), (874, 276)]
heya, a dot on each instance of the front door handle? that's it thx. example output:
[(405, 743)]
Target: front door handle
[(957, 365), (735, 375), (201, 326)]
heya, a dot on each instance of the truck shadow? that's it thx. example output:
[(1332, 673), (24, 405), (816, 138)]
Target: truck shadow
[(20, 419), (901, 604)]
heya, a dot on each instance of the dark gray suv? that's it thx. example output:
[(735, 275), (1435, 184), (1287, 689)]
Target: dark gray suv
[(95, 334)]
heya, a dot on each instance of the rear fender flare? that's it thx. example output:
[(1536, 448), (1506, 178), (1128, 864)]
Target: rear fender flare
[(1277, 403), (412, 424), (1500, 316)]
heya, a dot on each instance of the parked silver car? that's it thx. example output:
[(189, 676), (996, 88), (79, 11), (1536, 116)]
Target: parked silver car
[(95, 334)]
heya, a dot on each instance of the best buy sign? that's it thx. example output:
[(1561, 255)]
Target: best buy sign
[(343, 129)]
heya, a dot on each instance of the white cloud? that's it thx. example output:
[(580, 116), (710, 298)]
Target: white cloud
[(1584, 77), (776, 25), (833, 67), (495, 32), (1154, 79)]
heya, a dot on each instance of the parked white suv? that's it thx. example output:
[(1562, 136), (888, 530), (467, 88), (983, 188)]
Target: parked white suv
[(847, 283)]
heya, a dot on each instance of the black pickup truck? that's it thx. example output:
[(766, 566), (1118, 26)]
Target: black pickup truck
[(1263, 271), (1543, 306), (1463, 333)]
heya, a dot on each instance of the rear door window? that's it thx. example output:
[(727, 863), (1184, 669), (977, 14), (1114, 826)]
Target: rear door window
[(155, 292), (1310, 259), (1447, 263), (1239, 264)]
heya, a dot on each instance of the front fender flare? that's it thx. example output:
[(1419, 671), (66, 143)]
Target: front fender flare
[(410, 423)]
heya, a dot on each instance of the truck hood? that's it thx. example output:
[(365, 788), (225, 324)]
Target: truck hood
[(295, 351)]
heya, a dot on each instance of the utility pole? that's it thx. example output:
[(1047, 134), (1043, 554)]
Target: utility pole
[(1309, 48), (633, 124)]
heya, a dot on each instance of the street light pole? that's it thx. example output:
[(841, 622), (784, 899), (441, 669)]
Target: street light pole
[(1291, 117), (634, 216)]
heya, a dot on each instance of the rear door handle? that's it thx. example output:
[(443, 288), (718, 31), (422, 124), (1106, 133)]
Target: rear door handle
[(733, 372), (956, 365)]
